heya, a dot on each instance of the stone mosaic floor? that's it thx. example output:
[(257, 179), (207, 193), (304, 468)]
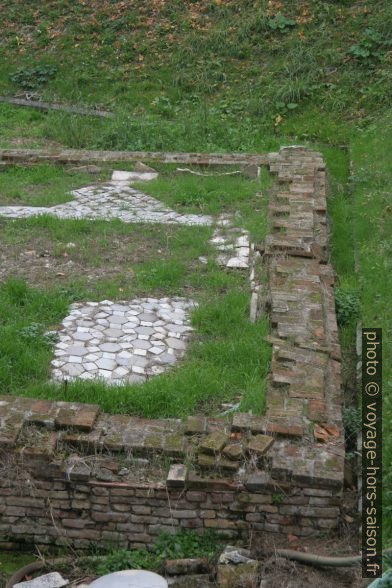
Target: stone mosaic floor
[(112, 200), (130, 341), (122, 341)]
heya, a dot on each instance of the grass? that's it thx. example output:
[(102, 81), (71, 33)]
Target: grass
[(207, 75), (214, 195), (372, 221), (40, 185), (11, 561)]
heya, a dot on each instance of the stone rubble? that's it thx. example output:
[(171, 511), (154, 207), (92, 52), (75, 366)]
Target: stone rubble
[(123, 342)]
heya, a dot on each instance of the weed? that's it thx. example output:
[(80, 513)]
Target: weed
[(347, 305), (34, 77), (281, 23), (371, 46), (122, 559), (278, 498), (183, 544)]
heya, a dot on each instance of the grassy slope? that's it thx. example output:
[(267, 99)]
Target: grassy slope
[(198, 74), (217, 75)]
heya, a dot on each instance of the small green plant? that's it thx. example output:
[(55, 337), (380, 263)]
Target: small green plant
[(281, 23), (370, 46), (33, 77), (35, 331), (185, 544), (347, 305), (278, 498), (284, 107), (31, 331)]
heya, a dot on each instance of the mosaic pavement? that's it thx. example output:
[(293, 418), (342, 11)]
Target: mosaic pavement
[(124, 342), (112, 200)]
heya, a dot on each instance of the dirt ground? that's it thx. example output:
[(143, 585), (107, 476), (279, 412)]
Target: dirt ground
[(43, 262)]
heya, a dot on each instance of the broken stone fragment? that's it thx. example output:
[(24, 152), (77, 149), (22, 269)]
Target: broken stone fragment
[(233, 451), (142, 167), (177, 475), (234, 555), (259, 444), (206, 461), (53, 580), (195, 425), (214, 443), (237, 263), (126, 176)]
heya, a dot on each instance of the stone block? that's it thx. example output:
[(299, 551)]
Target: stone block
[(177, 476), (213, 443), (195, 425), (260, 444), (233, 451)]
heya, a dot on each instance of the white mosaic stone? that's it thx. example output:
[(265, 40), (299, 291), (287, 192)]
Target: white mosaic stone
[(115, 355), (232, 243)]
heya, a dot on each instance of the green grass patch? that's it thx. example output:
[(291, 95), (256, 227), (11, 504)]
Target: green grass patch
[(215, 194), (39, 185), (12, 561), (181, 545), (372, 219)]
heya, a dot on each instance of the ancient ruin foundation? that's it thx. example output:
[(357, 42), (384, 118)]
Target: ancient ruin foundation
[(73, 475)]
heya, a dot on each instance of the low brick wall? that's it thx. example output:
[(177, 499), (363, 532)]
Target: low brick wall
[(133, 514), (72, 475)]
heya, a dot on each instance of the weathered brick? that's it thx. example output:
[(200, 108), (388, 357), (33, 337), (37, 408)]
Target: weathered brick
[(74, 523), (196, 496), (80, 504), (99, 491), (121, 507), (183, 514), (142, 510), (130, 527), (214, 442), (105, 517), (207, 514), (158, 529), (17, 511)]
